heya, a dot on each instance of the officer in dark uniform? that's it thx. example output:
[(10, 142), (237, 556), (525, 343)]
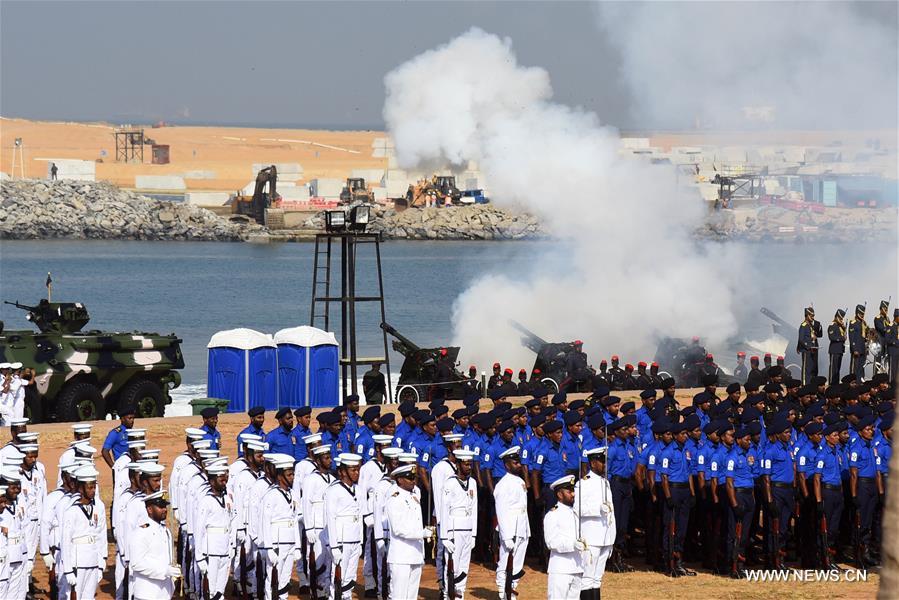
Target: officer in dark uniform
[(836, 332), (496, 379), (740, 371), (446, 372), (828, 492), (865, 486), (629, 382), (622, 463), (616, 374), (756, 376), (779, 471), (807, 345), (882, 321), (893, 346), (858, 343), (577, 372), (644, 380), (654, 374), (679, 498), (524, 386)]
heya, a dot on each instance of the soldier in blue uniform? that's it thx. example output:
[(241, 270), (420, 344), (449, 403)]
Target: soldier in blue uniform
[(807, 345), (116, 442), (779, 472), (828, 491), (858, 343), (406, 425), (740, 480), (364, 444), (706, 500), (280, 439), (621, 465), (210, 416), (679, 498), (571, 443), (505, 439), (651, 461), (717, 476), (302, 419), (257, 420), (836, 333), (644, 420), (865, 487), (351, 405), (550, 464)]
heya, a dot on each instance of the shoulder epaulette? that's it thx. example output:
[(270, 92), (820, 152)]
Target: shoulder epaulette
[(395, 494), (145, 525)]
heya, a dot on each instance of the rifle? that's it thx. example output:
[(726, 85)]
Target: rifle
[(188, 560), (260, 577), (205, 587), (774, 522), (125, 582), (275, 581), (822, 541), (313, 573), (857, 538), (72, 594), (373, 551), (738, 534), (451, 578), (244, 593), (54, 593), (385, 574), (508, 588), (338, 581), (672, 532), (304, 545)]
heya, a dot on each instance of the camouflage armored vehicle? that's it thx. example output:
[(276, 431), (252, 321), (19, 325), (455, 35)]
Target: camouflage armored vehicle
[(84, 375)]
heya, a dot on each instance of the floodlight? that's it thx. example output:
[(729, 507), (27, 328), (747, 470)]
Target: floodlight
[(335, 220), (359, 217)]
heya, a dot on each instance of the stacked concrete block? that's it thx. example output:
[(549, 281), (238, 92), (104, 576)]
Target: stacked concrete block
[(380, 194), (159, 182), (70, 168), (286, 171), (206, 198), (294, 193), (326, 187)]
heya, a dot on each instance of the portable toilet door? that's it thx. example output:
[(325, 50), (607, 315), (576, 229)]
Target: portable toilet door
[(303, 366), (238, 361)]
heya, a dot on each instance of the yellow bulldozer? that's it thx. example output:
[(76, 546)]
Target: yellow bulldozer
[(438, 190), (355, 191)]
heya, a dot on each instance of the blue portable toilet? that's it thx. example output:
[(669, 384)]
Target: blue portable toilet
[(307, 367), (242, 368)]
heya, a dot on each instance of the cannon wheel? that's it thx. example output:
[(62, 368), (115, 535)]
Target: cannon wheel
[(407, 393), (551, 385), (664, 374)]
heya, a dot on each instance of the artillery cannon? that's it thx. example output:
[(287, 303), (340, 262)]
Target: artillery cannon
[(419, 379), (789, 333), (552, 357), (84, 375)]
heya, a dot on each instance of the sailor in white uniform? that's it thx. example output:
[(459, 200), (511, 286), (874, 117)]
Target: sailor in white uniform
[(50, 523), (81, 432), (314, 487), (593, 505), (240, 487), (343, 521), (560, 530), (301, 469), (458, 523), (380, 526), (370, 474), (215, 533), (406, 547), (12, 520), (279, 535), (154, 567), (511, 499), (83, 537)]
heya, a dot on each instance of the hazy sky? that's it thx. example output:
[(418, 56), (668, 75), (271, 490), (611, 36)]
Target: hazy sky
[(288, 63)]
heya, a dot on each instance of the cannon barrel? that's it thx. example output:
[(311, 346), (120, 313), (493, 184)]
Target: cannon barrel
[(771, 315), (405, 345), (529, 339), (22, 306)]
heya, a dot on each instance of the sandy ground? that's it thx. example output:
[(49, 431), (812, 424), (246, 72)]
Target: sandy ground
[(167, 434), (231, 151)]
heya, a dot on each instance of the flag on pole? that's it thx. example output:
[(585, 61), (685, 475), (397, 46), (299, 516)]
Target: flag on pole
[(49, 285)]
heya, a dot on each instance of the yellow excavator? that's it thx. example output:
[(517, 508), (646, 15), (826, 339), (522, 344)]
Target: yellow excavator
[(255, 205)]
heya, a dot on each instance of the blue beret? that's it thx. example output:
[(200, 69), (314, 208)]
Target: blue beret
[(596, 422), (627, 406), (559, 398), (691, 422), (302, 411), (610, 400), (601, 391), (725, 427), (460, 413), (126, 411), (831, 418), (864, 422), (328, 418), (813, 428), (425, 418), (551, 426), (571, 417), (406, 409), (886, 422), (504, 426), (256, 411), (754, 428), (445, 425), (540, 392), (388, 419), (497, 393), (779, 425), (282, 412), (537, 420), (648, 393), (750, 414), (576, 404), (733, 388), (618, 424), (661, 426), (741, 432), (832, 429), (209, 412), (371, 413), (350, 399)]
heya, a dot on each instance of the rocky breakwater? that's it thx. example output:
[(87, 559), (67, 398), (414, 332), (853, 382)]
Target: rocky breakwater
[(31, 209), (476, 222)]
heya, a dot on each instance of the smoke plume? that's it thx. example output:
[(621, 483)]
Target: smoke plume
[(628, 271), (798, 65)]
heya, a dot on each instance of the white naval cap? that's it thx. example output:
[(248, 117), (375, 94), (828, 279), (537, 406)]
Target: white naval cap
[(81, 427), (452, 437), (161, 497), (14, 452), (463, 454), (19, 421), (408, 457), (87, 473), (151, 468), (84, 447), (201, 444), (321, 449), (136, 432), (392, 452), (568, 480), (382, 439), (312, 438), (255, 446), (282, 462), (10, 474), (217, 469), (215, 460), (137, 444), (12, 462), (510, 452), (403, 470), (205, 453), (4, 365), (29, 436), (245, 438), (195, 434), (598, 451), (348, 459), (26, 448), (15, 365), (151, 453)]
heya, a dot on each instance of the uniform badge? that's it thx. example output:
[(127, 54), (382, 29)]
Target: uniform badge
[(630, 454), (564, 456), (750, 459)]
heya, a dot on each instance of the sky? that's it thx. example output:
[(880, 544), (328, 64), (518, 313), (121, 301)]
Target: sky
[(314, 64)]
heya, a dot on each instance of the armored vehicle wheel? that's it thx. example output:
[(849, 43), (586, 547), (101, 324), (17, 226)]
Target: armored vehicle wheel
[(551, 385), (80, 401), (145, 396), (34, 406), (407, 393)]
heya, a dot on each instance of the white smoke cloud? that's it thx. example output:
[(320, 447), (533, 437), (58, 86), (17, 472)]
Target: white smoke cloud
[(631, 271), (817, 65)]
